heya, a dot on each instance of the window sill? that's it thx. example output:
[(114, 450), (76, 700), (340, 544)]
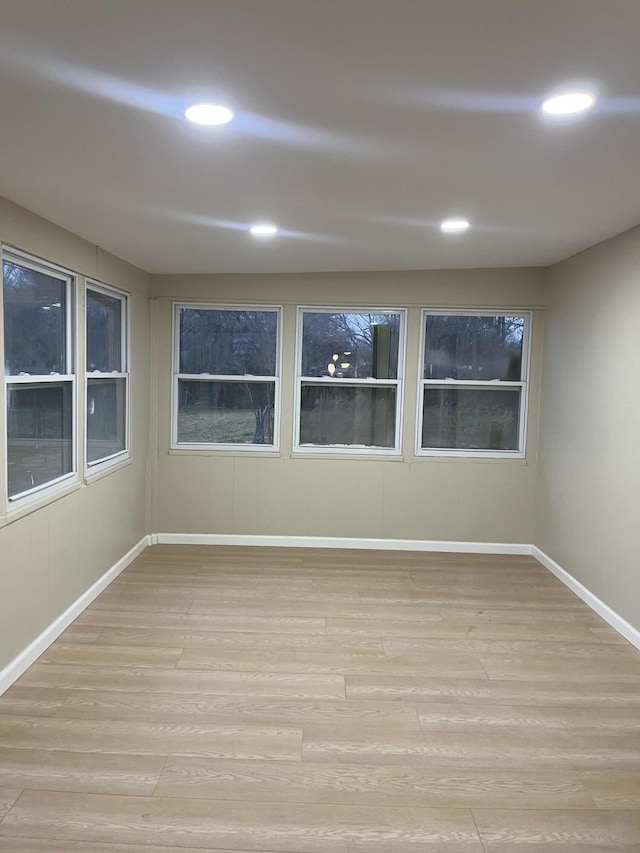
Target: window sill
[(100, 471), (441, 457), (329, 453), (220, 451), (29, 505)]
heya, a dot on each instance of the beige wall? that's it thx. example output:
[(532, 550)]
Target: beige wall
[(51, 554), (588, 502), (407, 498)]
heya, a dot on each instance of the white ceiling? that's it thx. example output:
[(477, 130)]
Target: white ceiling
[(360, 124)]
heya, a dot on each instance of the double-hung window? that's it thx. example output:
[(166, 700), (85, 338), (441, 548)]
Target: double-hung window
[(349, 384), (226, 377), (473, 386), (39, 375), (106, 314)]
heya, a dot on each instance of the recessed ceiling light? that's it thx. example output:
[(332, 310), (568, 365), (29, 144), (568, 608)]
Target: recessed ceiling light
[(568, 103), (263, 229), (454, 226), (209, 114)]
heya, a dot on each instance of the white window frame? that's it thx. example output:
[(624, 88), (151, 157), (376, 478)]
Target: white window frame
[(51, 487), (274, 380), (522, 385), (398, 384), (114, 458)]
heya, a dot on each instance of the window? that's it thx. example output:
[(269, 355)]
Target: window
[(473, 384), (39, 375), (349, 380), (226, 377), (106, 314)]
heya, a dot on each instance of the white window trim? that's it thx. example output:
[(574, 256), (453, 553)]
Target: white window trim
[(52, 488), (398, 384), (92, 468), (275, 380), (523, 385)]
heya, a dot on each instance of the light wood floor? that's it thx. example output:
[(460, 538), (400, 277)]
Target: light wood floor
[(316, 701)]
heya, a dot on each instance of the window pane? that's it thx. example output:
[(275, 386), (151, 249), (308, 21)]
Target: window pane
[(473, 347), (225, 412), (34, 322), (350, 345), (347, 415), (471, 418), (104, 332), (106, 418), (228, 342), (38, 435)]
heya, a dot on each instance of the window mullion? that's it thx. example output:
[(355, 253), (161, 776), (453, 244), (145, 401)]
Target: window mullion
[(35, 379), (344, 380), (470, 383), (216, 377), (99, 374)]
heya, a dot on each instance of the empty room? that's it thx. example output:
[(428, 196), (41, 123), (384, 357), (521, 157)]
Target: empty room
[(319, 430)]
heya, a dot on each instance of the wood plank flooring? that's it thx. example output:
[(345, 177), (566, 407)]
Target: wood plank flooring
[(323, 701)]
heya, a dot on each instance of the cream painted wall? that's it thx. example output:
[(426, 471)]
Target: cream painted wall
[(53, 551), (407, 498), (588, 500)]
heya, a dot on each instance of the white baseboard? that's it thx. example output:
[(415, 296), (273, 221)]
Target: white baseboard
[(614, 619), (23, 661), (339, 542)]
